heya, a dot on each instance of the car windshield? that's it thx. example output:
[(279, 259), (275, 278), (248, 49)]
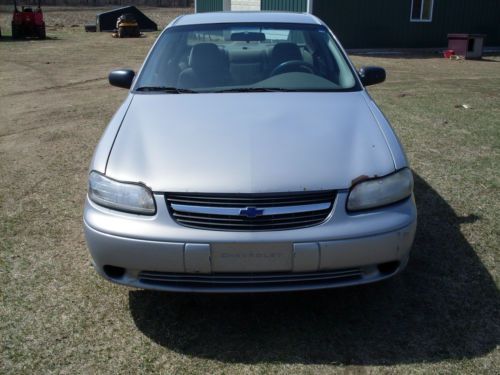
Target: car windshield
[(245, 58)]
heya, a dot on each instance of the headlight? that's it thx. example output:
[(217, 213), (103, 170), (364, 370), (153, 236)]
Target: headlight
[(381, 191), (128, 197)]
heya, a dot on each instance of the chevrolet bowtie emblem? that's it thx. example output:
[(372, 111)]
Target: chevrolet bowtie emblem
[(251, 212)]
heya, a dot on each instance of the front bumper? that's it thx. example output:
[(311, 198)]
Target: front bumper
[(157, 253)]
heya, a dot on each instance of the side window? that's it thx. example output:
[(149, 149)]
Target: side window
[(421, 10)]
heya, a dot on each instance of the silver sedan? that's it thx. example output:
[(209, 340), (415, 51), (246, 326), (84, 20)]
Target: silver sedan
[(248, 157)]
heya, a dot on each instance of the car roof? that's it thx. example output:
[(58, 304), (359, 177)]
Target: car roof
[(246, 17)]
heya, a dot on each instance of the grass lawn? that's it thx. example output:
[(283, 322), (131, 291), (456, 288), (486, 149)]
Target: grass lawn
[(56, 315)]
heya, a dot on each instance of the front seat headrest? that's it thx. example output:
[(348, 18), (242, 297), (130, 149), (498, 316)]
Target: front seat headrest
[(285, 52), (206, 57)]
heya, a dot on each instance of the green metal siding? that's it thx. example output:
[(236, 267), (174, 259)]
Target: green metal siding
[(288, 5), (209, 5), (386, 23)]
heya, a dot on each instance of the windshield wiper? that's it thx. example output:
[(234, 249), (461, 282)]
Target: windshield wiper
[(272, 89), (257, 89), (168, 90)]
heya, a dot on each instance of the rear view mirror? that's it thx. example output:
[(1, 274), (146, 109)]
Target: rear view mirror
[(248, 37), (121, 78), (371, 75)]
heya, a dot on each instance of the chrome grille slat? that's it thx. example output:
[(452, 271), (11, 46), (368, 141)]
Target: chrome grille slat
[(247, 279), (300, 223), (252, 197), (278, 211), (243, 203), (181, 216), (235, 211)]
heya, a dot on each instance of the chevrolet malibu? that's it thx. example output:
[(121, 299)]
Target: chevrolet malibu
[(248, 157)]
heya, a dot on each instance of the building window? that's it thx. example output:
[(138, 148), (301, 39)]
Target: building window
[(421, 10)]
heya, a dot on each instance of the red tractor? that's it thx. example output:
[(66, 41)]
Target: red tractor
[(28, 22)]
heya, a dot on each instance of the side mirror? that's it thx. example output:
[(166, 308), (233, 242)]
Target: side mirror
[(121, 78), (371, 75)]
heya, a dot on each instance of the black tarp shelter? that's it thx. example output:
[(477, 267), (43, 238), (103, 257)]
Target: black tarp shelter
[(107, 21)]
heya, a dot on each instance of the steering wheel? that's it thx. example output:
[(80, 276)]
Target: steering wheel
[(293, 66)]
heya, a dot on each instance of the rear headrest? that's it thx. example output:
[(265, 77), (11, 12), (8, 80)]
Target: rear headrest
[(206, 57), (285, 52)]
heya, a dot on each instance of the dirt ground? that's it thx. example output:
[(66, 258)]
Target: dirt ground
[(58, 316)]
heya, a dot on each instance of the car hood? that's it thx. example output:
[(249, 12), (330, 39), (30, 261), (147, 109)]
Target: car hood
[(249, 143)]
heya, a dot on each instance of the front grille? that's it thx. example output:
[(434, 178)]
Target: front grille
[(248, 280), (251, 212)]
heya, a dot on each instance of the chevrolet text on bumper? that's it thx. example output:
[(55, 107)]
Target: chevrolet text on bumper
[(248, 157)]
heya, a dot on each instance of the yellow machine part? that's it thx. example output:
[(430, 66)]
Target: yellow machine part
[(128, 24)]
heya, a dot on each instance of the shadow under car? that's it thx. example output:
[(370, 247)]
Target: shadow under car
[(441, 307)]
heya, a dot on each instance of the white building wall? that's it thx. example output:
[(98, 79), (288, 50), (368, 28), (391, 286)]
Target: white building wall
[(245, 4)]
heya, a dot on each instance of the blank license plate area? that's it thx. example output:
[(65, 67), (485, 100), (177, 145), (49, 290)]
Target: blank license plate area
[(275, 257)]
